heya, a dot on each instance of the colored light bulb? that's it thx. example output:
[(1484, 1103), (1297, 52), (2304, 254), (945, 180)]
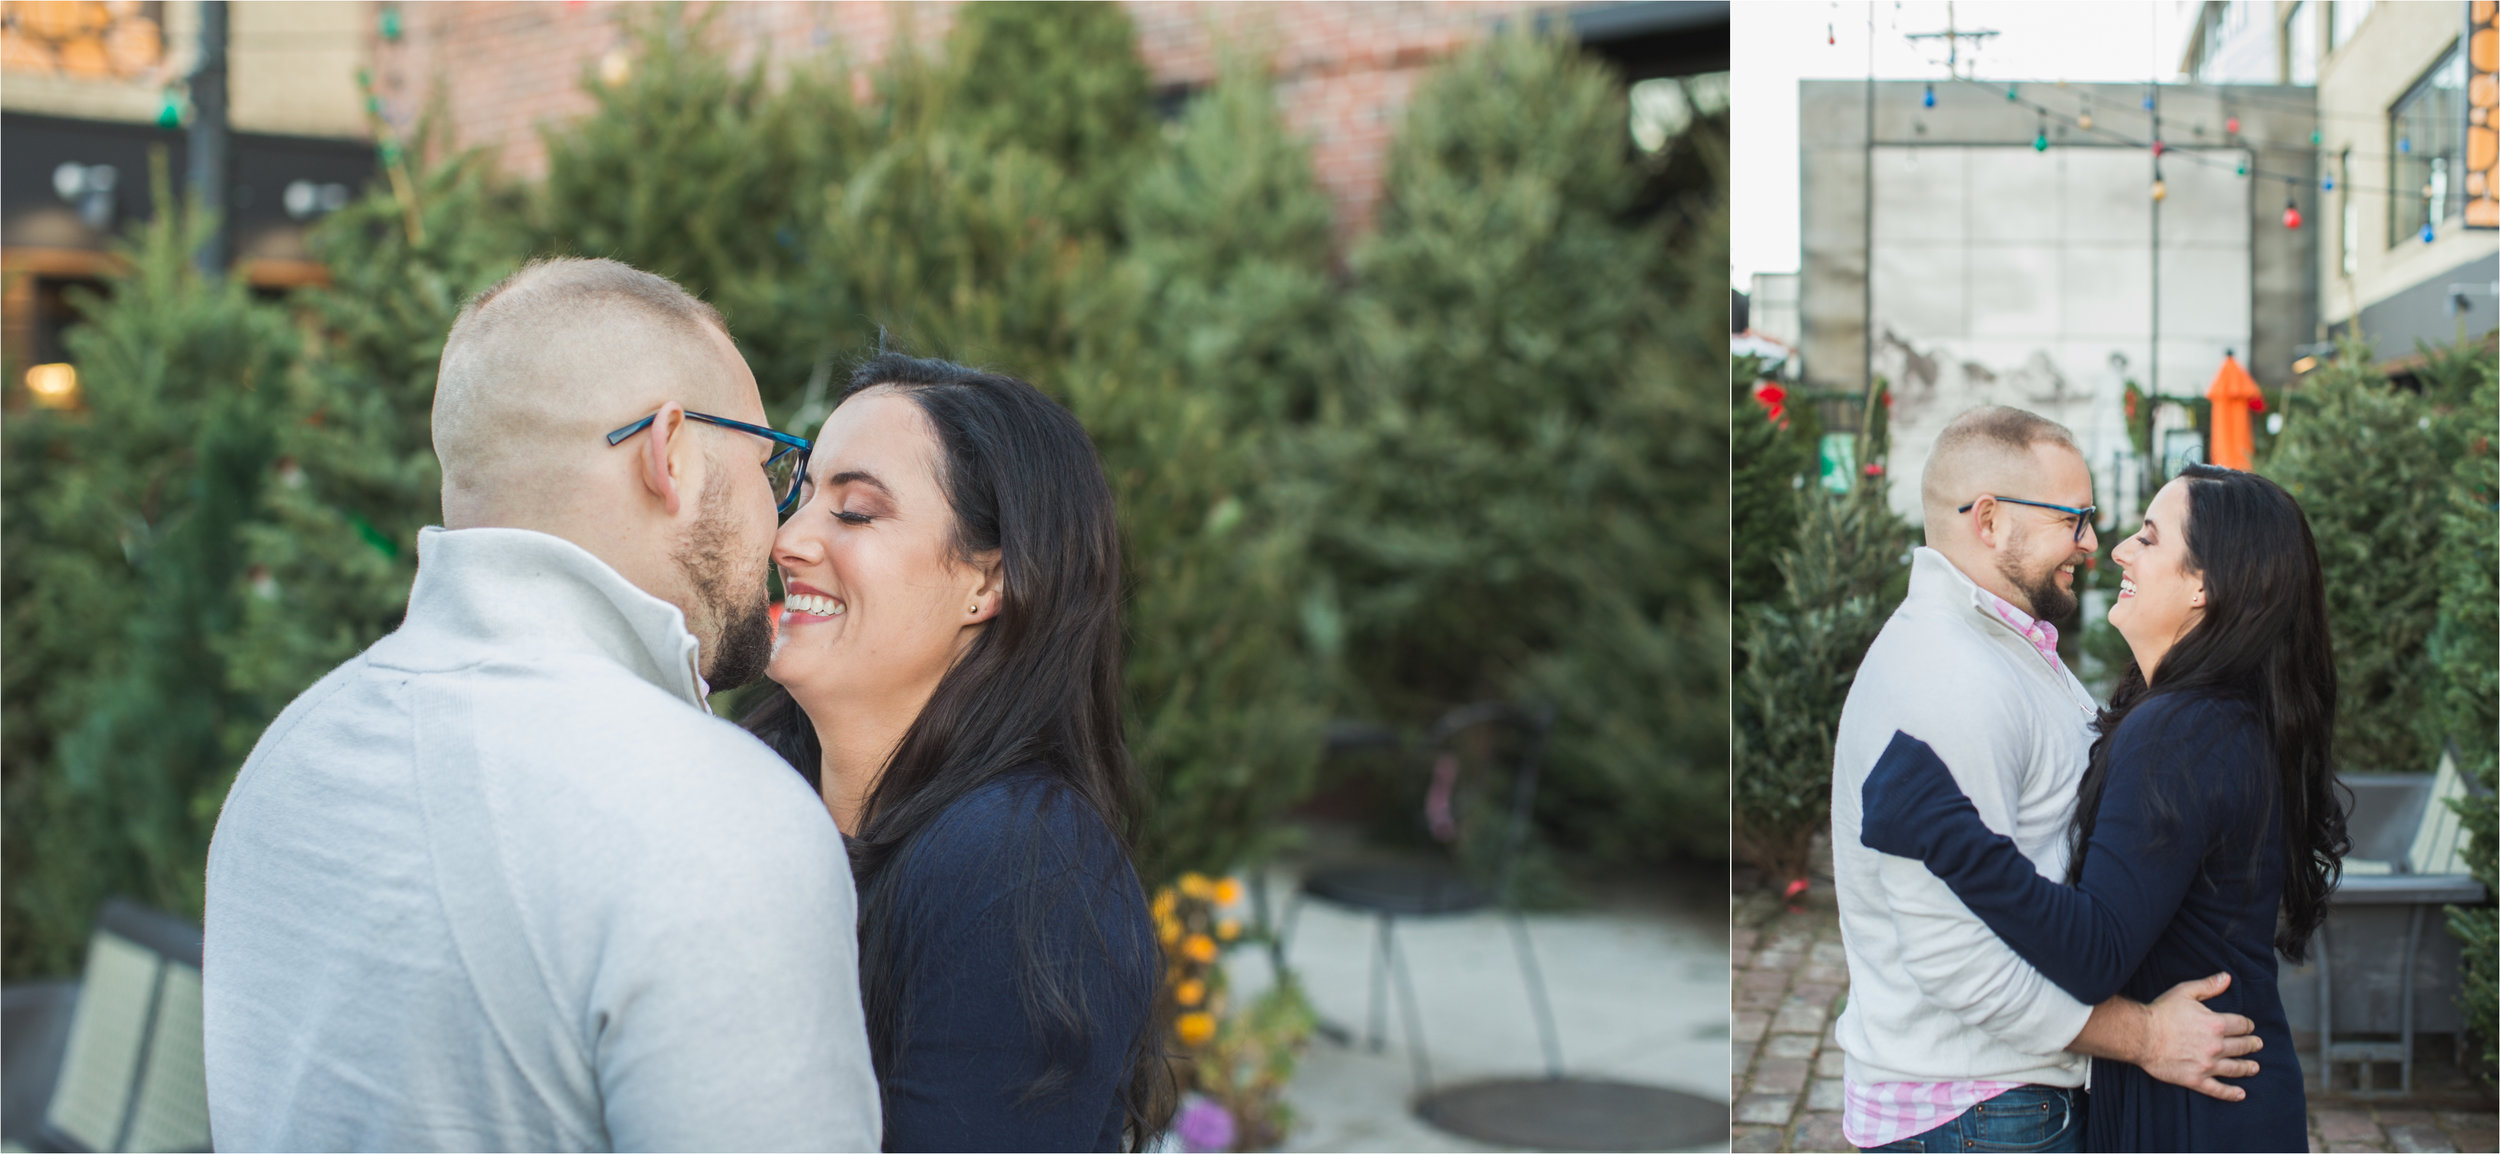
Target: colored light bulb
[(2291, 215), (2084, 121), (2231, 125), (1929, 99), (2161, 191)]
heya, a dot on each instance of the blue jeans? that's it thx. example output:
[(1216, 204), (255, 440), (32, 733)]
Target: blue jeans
[(2046, 1118)]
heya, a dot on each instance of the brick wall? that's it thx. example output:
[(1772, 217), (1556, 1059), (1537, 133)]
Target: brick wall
[(1343, 70)]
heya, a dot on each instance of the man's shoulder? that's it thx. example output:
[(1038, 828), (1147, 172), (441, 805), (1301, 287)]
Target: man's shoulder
[(1931, 666)]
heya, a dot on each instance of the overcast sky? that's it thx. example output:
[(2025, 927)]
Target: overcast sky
[(1774, 45)]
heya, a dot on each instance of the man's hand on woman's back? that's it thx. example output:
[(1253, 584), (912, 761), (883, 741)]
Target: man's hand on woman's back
[(2176, 1039)]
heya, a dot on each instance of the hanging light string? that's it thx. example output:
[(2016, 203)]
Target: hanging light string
[(2186, 152)]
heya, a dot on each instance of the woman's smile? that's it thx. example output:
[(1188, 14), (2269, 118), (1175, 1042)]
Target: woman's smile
[(806, 604)]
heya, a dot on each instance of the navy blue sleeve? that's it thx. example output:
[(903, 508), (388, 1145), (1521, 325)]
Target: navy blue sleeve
[(2142, 856), (967, 1071)]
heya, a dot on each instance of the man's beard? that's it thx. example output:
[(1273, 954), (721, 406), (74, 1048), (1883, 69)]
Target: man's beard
[(740, 607), (2048, 602)]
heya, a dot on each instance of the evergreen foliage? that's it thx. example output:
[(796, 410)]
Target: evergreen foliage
[(334, 547), (2370, 469), (1199, 363), (712, 176), (1798, 653), (2465, 652), (1062, 81), (1767, 468), (126, 570), (1513, 331)]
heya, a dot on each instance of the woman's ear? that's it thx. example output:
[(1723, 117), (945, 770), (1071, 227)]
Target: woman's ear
[(990, 591)]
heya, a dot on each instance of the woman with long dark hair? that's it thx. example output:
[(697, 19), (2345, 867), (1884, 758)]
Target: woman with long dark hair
[(948, 669), (2208, 832)]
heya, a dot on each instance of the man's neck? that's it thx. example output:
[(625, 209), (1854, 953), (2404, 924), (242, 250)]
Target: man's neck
[(1977, 567)]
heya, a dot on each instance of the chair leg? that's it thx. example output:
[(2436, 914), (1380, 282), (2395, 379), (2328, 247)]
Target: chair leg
[(1537, 1003), (1375, 1013), (1414, 1019)]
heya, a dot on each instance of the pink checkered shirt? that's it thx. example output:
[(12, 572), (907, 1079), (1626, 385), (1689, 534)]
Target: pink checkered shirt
[(1877, 1113), (2041, 634)]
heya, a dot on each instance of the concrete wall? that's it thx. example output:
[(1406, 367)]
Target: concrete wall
[(2005, 275), (2357, 85)]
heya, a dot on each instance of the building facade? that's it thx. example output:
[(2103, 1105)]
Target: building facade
[(2408, 104), (94, 95), (2035, 250)]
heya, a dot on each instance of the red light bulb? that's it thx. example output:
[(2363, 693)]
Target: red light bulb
[(2159, 148), (2231, 125), (2291, 215)]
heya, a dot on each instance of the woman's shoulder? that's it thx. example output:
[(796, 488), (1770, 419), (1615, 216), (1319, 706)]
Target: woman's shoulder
[(2192, 736), (1025, 825)]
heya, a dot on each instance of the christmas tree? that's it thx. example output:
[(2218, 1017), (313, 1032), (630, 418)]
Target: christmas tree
[(1061, 81), (1798, 653), (2370, 469), (334, 549), (127, 570), (2465, 653), (1198, 368), (1527, 461)]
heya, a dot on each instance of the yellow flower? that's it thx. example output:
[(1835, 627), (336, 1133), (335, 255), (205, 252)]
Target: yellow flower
[(1194, 1029), (1169, 929), (1228, 892), (1190, 993), (1228, 929), (1196, 885), (1166, 902), (1198, 948)]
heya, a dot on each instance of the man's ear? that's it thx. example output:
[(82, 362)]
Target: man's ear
[(990, 594), (1983, 521), (659, 458)]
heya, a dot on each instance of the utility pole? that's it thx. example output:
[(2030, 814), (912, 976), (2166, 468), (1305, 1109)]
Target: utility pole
[(1953, 37), (206, 179)]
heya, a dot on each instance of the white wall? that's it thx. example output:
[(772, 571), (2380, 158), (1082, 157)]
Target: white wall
[(2007, 276)]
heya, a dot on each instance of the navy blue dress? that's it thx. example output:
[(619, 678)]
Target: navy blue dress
[(965, 1061), (2181, 880)]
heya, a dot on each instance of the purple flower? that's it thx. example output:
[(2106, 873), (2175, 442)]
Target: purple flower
[(1205, 1126)]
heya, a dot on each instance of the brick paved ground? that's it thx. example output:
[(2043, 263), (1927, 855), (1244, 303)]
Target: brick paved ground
[(1789, 979)]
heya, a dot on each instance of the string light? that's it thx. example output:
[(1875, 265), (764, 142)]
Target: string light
[(1928, 100), (2161, 191), (2329, 183), (2427, 234), (2291, 215), (2159, 148), (2040, 140), (1830, 36), (2243, 168), (2012, 94), (2404, 146), (2084, 121), (2231, 125)]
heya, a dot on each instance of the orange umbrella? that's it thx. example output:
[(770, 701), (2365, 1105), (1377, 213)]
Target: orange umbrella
[(2233, 393)]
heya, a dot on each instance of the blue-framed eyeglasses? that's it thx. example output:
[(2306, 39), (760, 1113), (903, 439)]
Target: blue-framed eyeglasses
[(787, 468), (2082, 516)]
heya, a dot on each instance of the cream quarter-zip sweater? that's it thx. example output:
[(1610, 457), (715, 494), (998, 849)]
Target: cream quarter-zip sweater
[(502, 882), (1933, 995)]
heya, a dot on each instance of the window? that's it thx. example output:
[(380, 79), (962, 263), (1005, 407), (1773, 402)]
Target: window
[(2300, 45), (2344, 17), (2426, 138)]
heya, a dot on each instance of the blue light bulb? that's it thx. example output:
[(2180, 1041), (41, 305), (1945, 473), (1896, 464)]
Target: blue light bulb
[(1929, 100)]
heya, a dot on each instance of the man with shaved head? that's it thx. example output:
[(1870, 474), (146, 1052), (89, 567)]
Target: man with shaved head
[(1949, 1038), (502, 881)]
